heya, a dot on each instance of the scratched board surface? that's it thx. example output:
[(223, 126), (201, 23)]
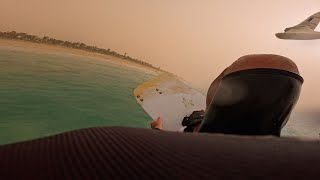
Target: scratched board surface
[(170, 98)]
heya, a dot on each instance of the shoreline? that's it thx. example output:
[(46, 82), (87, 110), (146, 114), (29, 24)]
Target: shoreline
[(47, 48)]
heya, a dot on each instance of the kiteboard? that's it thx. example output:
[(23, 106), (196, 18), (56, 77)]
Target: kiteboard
[(170, 98)]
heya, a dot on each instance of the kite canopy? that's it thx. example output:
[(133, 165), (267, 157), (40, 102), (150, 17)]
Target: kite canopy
[(303, 31)]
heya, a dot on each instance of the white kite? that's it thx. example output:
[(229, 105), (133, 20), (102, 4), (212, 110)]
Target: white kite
[(302, 31)]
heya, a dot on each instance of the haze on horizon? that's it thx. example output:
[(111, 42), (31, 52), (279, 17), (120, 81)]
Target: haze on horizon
[(193, 39)]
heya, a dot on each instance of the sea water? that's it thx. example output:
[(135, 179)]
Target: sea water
[(42, 94)]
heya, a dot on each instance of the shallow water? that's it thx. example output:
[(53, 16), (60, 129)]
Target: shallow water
[(45, 93)]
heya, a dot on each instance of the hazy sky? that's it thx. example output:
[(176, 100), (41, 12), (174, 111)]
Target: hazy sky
[(193, 39)]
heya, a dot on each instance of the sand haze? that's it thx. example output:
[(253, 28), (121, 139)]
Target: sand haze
[(193, 39)]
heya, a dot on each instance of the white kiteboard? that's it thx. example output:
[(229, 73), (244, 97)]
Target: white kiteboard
[(170, 98)]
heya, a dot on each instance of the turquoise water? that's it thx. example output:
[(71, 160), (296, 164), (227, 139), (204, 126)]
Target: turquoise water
[(44, 93)]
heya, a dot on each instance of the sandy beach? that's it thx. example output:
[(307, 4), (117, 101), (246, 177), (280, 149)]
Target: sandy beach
[(46, 48)]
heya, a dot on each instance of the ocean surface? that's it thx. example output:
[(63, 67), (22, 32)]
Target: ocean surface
[(46, 93), (42, 94)]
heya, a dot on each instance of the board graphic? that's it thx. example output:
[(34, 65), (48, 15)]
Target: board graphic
[(170, 98)]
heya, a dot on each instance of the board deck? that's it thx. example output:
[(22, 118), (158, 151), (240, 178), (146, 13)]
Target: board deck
[(170, 98)]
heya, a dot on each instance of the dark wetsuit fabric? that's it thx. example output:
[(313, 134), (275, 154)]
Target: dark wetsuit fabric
[(131, 153)]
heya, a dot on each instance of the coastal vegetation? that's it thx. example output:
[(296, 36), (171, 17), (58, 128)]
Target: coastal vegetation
[(76, 45)]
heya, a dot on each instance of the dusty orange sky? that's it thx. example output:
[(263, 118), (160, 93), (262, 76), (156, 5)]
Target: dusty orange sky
[(193, 39)]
